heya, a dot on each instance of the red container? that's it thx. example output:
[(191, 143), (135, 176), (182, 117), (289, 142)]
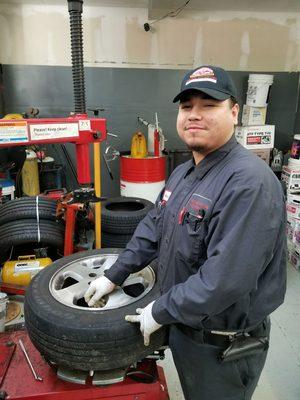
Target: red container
[(143, 170)]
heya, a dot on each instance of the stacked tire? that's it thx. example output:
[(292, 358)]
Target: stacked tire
[(119, 218), (28, 223)]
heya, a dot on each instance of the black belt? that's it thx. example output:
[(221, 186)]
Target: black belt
[(219, 340)]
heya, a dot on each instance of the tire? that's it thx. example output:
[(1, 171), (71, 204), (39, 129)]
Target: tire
[(122, 214), (115, 240), (82, 338), (25, 208), (25, 231)]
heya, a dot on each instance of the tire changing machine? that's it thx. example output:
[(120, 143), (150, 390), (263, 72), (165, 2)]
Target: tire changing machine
[(18, 380)]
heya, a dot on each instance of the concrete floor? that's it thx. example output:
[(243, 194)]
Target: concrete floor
[(280, 379)]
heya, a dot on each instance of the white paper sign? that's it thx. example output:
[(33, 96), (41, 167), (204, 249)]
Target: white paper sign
[(53, 131)]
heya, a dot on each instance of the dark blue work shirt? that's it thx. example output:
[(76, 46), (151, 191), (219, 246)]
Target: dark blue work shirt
[(218, 231)]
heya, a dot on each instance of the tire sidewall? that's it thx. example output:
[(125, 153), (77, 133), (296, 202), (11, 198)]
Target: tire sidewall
[(43, 313)]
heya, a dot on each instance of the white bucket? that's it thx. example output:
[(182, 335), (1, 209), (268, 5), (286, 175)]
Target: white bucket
[(294, 163), (3, 307), (258, 90)]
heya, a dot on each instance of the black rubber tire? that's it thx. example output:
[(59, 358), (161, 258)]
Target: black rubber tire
[(25, 231), (25, 208), (85, 339), (122, 214), (115, 240)]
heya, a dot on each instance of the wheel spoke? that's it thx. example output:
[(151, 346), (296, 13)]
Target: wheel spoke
[(71, 293), (133, 280), (78, 270), (117, 299), (109, 262)]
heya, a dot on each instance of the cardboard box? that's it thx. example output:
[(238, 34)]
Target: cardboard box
[(293, 257), (293, 207), (291, 178), (264, 154), (254, 115), (256, 137)]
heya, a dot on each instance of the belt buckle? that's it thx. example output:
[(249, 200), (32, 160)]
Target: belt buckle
[(224, 333), (232, 335)]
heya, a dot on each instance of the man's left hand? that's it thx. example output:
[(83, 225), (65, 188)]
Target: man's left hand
[(148, 324)]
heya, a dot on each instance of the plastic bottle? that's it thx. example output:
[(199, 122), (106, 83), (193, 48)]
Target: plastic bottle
[(138, 146), (295, 150)]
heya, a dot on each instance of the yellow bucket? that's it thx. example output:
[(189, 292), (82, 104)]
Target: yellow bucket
[(30, 175)]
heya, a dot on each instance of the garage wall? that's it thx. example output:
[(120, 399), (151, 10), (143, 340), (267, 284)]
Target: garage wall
[(38, 34), (128, 93), (131, 73)]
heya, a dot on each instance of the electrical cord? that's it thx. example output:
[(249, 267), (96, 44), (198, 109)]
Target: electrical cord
[(172, 14)]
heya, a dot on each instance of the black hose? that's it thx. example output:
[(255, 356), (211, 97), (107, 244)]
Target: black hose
[(70, 163), (75, 11)]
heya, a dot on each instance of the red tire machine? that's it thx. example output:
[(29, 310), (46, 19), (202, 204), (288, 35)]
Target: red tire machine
[(20, 362)]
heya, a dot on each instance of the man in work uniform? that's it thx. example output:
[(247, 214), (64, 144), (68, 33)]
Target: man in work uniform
[(218, 231)]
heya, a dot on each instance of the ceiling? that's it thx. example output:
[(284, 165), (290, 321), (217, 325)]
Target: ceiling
[(157, 8)]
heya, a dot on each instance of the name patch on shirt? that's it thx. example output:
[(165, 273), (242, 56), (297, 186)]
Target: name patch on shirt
[(167, 195), (197, 203)]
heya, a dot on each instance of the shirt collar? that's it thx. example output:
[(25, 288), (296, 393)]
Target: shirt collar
[(211, 159)]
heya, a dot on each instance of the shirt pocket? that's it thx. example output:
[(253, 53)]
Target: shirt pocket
[(190, 242), (192, 230)]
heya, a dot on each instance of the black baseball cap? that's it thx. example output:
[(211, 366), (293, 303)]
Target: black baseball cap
[(214, 81)]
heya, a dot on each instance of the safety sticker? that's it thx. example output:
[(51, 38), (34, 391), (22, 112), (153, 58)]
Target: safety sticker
[(84, 125), (53, 131), (28, 266), (13, 132)]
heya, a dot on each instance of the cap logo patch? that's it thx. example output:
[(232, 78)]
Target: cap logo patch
[(201, 75)]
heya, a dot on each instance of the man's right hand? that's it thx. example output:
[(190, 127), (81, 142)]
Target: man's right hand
[(98, 288)]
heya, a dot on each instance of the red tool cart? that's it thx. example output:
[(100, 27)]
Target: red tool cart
[(146, 382)]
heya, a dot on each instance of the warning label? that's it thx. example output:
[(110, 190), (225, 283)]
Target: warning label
[(53, 131), (13, 132)]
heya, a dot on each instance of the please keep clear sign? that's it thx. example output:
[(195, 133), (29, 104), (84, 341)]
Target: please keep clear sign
[(53, 131)]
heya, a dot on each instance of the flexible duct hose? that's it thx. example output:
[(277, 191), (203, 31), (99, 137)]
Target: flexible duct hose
[(75, 11)]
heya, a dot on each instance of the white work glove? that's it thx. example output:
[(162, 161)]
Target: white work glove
[(145, 318), (98, 288)]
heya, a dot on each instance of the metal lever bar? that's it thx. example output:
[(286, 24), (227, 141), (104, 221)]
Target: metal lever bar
[(36, 376)]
